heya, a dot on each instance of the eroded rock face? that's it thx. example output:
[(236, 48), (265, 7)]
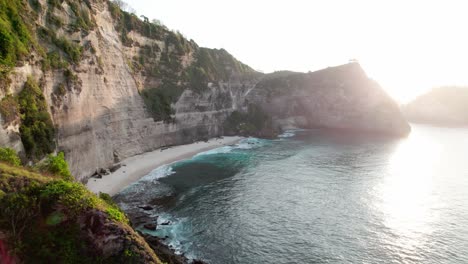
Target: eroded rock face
[(341, 97), (111, 240)]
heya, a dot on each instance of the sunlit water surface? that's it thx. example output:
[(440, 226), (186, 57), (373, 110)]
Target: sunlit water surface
[(319, 197)]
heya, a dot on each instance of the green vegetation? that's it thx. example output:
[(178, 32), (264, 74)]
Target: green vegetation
[(56, 165), (37, 130), (158, 100), (54, 20), (60, 91), (54, 60), (9, 109), (72, 195), (254, 122), (127, 22), (73, 51), (83, 20), (15, 36), (9, 156), (282, 82), (71, 78), (113, 209), (48, 220), (213, 65)]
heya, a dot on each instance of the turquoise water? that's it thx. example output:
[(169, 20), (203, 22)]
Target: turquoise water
[(318, 197)]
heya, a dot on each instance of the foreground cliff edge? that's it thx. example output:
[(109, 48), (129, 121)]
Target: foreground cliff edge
[(115, 86), (48, 219)]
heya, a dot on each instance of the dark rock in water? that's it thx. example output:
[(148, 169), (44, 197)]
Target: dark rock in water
[(164, 201), (150, 226), (165, 253), (166, 222), (138, 218), (197, 261), (146, 207), (115, 167)]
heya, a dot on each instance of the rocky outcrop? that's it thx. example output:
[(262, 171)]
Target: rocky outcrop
[(113, 240), (105, 102), (341, 97)]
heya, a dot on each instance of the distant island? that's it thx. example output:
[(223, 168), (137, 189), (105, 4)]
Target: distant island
[(443, 106)]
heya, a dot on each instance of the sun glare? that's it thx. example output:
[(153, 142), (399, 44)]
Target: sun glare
[(406, 191)]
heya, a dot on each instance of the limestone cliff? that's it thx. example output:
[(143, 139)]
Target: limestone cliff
[(117, 86)]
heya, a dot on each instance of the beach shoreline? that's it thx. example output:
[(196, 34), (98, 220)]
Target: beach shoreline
[(136, 167)]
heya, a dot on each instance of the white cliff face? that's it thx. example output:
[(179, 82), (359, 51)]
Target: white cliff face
[(102, 117)]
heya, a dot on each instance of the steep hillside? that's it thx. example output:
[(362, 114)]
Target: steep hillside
[(445, 106), (47, 219), (99, 84)]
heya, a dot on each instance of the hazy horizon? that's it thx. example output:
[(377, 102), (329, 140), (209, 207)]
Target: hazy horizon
[(408, 47)]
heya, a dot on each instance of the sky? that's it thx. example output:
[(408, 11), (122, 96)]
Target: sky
[(407, 46)]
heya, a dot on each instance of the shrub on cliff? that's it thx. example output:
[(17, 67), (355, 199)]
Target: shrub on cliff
[(9, 109), (15, 37), (158, 101), (9, 156), (56, 165), (37, 130)]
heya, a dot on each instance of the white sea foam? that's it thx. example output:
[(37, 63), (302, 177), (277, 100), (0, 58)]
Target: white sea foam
[(248, 143), (158, 173), (287, 134), (225, 149)]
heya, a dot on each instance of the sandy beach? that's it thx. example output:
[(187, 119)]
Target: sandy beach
[(136, 167)]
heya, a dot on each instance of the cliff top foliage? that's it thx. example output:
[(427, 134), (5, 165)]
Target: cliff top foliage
[(48, 219), (15, 36)]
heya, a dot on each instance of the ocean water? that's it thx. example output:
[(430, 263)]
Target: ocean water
[(316, 196)]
